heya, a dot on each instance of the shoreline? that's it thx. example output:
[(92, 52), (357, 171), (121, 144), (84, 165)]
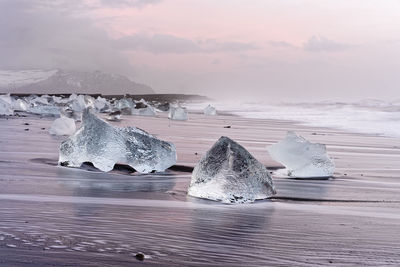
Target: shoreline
[(40, 201)]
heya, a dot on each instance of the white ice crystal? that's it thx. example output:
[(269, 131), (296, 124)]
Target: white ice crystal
[(63, 126), (229, 173), (105, 145), (302, 158)]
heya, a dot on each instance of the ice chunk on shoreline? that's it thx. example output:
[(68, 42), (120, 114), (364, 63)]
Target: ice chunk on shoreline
[(44, 110), (105, 145), (229, 173), (147, 111), (302, 158), (5, 108), (63, 126), (178, 113), (210, 111), (20, 105)]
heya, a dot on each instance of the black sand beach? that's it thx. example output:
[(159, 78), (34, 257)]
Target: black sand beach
[(57, 216)]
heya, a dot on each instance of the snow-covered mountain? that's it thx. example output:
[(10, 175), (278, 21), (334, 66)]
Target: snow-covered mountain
[(61, 81)]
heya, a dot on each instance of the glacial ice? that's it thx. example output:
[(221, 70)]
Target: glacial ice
[(101, 104), (81, 102), (147, 111), (210, 111), (230, 174), (20, 105), (302, 158), (105, 145), (5, 108), (178, 113), (44, 110), (63, 126)]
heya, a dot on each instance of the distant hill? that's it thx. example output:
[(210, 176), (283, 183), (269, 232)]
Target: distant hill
[(61, 81)]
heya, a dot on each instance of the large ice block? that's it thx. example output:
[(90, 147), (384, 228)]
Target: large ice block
[(302, 158), (229, 173), (105, 145)]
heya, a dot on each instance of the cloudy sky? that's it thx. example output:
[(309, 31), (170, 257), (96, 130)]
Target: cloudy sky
[(259, 49)]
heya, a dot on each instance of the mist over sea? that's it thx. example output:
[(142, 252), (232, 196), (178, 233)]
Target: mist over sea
[(366, 116)]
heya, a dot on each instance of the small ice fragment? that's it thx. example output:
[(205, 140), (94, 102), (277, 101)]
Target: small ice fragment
[(178, 113), (229, 173), (44, 110), (114, 116), (210, 111), (11, 245), (20, 105), (302, 158), (163, 106), (63, 126), (147, 111), (101, 104), (5, 108), (104, 145)]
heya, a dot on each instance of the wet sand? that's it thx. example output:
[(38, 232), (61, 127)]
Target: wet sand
[(57, 216)]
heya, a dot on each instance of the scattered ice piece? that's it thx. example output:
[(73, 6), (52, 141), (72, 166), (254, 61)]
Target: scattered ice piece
[(6, 98), (11, 245), (101, 104), (43, 100), (5, 108), (114, 116), (2, 238), (229, 173), (163, 106), (63, 126), (302, 158), (79, 103), (210, 111), (104, 145), (20, 105), (44, 110), (147, 111), (178, 113)]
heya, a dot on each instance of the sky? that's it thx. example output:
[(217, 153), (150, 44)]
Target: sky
[(246, 49)]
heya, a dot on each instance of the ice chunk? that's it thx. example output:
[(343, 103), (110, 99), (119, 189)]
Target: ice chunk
[(6, 98), (63, 126), (163, 106), (101, 104), (104, 145), (41, 100), (5, 108), (229, 173), (80, 102), (210, 111), (147, 111), (20, 105), (125, 105), (178, 113), (44, 110), (114, 116), (302, 158)]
